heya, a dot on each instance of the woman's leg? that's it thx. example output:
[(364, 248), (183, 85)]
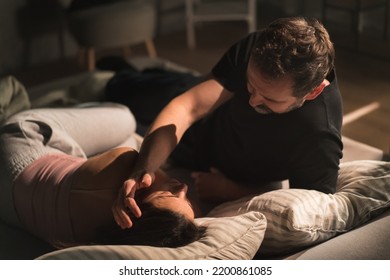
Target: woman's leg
[(77, 131)]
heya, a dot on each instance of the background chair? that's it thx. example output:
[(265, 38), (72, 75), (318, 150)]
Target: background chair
[(219, 10), (354, 8), (109, 24)]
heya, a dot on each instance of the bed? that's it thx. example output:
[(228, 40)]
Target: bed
[(353, 223)]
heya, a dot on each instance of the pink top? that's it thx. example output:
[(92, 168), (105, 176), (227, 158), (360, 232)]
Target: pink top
[(41, 196)]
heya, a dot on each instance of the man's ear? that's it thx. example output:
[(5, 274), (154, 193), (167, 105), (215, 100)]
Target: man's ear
[(317, 91)]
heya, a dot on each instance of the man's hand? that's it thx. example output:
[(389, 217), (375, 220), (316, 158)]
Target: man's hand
[(125, 202), (213, 186)]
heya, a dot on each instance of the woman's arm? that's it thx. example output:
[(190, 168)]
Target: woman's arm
[(95, 187)]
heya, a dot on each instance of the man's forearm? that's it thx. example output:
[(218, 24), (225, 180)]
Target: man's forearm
[(163, 136), (156, 148)]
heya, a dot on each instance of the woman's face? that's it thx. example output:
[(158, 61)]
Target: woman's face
[(171, 195)]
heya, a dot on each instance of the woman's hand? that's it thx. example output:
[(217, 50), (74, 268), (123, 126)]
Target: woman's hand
[(125, 202)]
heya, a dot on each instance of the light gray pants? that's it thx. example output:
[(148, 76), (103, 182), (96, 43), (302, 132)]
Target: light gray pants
[(78, 131)]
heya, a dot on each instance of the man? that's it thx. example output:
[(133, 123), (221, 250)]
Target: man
[(270, 111)]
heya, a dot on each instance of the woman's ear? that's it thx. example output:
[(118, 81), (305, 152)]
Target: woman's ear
[(317, 91)]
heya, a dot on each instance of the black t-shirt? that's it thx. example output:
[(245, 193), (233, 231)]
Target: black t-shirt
[(303, 146)]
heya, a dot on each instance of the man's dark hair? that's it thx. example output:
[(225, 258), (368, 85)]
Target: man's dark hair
[(296, 47), (156, 227)]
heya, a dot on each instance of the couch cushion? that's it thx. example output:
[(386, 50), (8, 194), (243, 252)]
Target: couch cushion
[(368, 242)]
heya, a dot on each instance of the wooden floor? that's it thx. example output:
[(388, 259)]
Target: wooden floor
[(364, 80)]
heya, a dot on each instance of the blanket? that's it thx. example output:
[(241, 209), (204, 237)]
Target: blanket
[(13, 97)]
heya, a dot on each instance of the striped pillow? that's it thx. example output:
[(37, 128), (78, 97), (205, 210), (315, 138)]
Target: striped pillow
[(297, 218), (240, 242)]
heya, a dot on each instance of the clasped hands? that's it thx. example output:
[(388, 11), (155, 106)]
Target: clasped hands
[(125, 202), (211, 186)]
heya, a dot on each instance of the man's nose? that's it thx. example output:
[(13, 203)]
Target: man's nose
[(256, 100)]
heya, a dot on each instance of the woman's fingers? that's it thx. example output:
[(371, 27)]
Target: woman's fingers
[(146, 180), (129, 188), (132, 206), (122, 218), (126, 202)]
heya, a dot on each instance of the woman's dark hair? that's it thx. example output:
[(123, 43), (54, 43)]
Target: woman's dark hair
[(156, 227), (297, 47)]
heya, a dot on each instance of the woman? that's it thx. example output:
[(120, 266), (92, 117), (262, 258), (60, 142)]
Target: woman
[(61, 170)]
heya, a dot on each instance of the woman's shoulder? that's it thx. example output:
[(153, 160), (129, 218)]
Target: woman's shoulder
[(110, 168)]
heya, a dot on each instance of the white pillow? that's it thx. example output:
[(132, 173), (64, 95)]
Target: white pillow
[(231, 238), (297, 218)]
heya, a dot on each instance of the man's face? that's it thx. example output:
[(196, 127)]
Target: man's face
[(271, 96)]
